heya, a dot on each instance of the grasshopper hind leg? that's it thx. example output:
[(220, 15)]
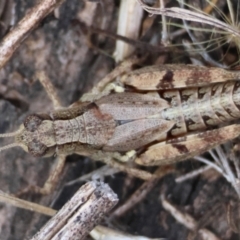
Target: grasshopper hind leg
[(184, 148)]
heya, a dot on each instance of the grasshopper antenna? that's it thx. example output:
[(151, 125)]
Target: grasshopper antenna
[(11, 145), (3, 135)]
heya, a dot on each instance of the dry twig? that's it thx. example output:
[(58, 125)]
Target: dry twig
[(14, 38), (77, 217)]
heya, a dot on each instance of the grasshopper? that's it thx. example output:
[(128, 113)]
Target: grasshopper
[(150, 116)]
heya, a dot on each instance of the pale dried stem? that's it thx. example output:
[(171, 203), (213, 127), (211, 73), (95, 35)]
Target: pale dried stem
[(129, 25), (193, 174), (79, 216), (201, 49), (105, 233), (236, 165), (187, 220), (210, 7), (206, 161), (224, 162), (176, 33), (94, 175), (164, 25), (30, 21), (228, 171), (222, 166), (214, 156), (188, 46), (190, 15), (231, 11)]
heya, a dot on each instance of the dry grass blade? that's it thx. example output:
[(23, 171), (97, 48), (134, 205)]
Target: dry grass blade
[(17, 202)]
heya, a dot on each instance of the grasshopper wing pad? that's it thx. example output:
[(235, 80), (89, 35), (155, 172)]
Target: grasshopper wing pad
[(138, 133), (130, 106), (192, 145), (140, 120), (176, 76)]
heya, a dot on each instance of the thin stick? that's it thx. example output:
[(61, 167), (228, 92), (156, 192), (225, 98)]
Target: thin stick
[(30, 21), (136, 43), (142, 191), (136, 197)]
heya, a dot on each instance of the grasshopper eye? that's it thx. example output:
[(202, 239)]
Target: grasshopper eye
[(36, 148), (32, 122)]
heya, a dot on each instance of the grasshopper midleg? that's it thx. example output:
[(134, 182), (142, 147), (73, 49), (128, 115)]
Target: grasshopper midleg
[(169, 119)]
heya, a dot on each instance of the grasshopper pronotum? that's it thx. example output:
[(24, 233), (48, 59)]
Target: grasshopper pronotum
[(152, 116)]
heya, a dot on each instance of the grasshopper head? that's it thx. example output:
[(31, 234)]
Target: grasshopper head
[(35, 135)]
